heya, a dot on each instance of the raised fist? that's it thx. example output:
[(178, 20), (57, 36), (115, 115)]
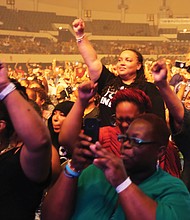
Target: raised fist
[(78, 27)]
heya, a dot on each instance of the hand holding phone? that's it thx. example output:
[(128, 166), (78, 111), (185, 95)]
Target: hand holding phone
[(91, 128)]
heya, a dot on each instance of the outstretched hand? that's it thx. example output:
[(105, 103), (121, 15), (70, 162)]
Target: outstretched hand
[(78, 27)]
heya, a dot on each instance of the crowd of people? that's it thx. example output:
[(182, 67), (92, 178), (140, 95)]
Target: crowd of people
[(139, 166), (36, 45)]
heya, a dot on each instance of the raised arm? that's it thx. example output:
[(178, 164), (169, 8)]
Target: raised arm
[(60, 200), (173, 103), (72, 124), (87, 51), (35, 156)]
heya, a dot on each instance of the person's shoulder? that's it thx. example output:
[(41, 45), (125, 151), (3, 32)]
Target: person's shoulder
[(106, 78), (106, 71), (162, 182), (150, 84), (148, 87), (170, 181)]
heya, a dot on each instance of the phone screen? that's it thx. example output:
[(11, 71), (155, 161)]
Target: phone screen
[(180, 64)]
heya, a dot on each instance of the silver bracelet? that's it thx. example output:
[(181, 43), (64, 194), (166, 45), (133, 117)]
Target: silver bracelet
[(7, 90), (124, 185), (79, 39)]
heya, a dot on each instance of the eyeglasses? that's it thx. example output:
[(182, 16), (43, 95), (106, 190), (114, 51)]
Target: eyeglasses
[(133, 141)]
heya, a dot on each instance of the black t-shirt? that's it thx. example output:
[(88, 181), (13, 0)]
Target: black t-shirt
[(109, 84), (19, 196), (182, 137), (182, 140)]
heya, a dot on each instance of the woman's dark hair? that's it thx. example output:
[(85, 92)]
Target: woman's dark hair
[(65, 108)]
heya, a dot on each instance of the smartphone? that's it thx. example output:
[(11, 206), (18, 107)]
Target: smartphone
[(91, 128), (179, 64)]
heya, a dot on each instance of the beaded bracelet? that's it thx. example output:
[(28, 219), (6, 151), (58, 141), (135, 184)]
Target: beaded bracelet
[(71, 172), (79, 39), (124, 185), (67, 174), (7, 90)]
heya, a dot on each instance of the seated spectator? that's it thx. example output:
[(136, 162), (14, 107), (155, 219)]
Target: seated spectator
[(27, 164), (129, 187)]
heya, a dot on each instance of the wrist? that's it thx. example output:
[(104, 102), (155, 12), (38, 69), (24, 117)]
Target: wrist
[(80, 38), (83, 103), (79, 33), (70, 171), (124, 185), (161, 84), (7, 89)]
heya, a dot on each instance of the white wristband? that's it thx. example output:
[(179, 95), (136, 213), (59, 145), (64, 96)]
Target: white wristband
[(124, 185), (79, 39), (7, 90), (183, 83)]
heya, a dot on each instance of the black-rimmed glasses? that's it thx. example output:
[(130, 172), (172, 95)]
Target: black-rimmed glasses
[(133, 141)]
